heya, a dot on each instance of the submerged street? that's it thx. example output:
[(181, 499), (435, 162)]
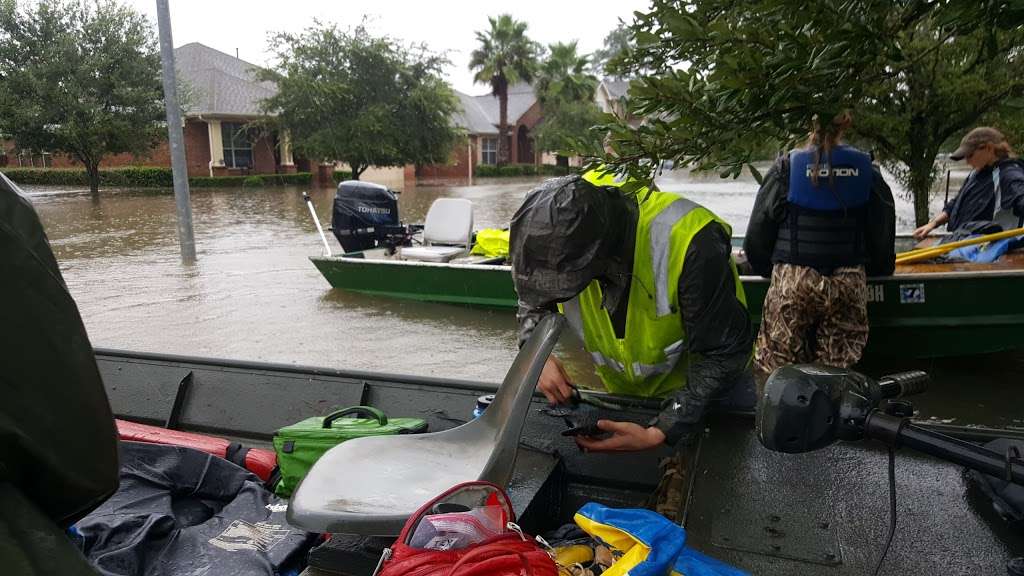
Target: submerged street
[(254, 295)]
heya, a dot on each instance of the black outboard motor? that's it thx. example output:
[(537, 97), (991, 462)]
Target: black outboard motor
[(365, 216)]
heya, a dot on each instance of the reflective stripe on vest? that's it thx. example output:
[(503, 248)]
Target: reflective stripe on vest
[(661, 233)]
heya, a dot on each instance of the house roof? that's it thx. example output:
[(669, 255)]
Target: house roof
[(616, 88), (220, 83), (472, 117), (480, 114)]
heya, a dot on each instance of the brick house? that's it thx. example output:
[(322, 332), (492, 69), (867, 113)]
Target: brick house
[(221, 98), (479, 119)]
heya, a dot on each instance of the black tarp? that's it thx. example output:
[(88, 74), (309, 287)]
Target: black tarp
[(181, 511), (58, 444)]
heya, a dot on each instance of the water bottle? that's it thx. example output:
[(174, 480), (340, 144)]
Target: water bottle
[(481, 404)]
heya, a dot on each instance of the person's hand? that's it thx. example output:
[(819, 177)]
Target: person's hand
[(923, 231), (626, 437), (554, 382)]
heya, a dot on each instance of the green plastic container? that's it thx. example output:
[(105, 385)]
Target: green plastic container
[(300, 445)]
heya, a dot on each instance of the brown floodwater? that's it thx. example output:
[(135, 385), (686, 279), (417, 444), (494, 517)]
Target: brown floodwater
[(253, 294)]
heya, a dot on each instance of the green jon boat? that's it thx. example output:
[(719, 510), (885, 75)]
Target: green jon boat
[(922, 311)]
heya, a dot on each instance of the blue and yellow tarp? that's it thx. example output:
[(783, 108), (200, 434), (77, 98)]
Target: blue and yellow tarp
[(650, 544)]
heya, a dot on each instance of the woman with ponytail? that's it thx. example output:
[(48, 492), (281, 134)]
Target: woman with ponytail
[(823, 220)]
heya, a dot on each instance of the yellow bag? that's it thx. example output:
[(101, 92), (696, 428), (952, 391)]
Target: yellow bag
[(491, 242)]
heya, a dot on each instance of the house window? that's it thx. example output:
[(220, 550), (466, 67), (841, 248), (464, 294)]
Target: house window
[(489, 151), (237, 145)]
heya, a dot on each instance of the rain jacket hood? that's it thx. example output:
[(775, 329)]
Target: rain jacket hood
[(564, 235)]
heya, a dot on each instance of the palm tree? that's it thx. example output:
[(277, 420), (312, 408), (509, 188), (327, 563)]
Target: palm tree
[(505, 56), (564, 76)]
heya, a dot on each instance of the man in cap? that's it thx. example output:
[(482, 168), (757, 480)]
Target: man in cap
[(994, 190), (613, 264)]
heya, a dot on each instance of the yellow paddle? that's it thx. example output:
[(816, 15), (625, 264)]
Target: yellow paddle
[(931, 252)]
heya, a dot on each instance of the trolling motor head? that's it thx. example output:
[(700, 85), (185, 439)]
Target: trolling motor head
[(806, 407)]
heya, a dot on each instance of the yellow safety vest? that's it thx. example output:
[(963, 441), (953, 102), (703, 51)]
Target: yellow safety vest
[(652, 359)]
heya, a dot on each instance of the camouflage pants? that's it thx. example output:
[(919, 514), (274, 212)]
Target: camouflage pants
[(808, 317)]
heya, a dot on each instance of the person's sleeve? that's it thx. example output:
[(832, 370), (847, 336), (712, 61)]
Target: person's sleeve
[(768, 211), (528, 317), (880, 235), (719, 335), (1012, 186)]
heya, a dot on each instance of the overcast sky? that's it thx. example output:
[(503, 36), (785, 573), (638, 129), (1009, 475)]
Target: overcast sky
[(445, 26)]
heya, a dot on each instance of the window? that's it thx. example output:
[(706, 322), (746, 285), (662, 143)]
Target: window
[(489, 151), (237, 145)]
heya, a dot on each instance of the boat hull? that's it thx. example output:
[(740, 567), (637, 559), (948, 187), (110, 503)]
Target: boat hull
[(916, 315)]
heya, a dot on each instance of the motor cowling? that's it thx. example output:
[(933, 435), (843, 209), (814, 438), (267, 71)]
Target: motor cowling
[(364, 215)]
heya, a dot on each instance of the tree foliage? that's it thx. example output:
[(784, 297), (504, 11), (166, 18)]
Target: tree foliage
[(564, 75), (81, 78), (361, 99), (505, 56), (565, 87), (617, 45), (725, 77)]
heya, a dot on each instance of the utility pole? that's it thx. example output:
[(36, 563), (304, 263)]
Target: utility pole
[(174, 134)]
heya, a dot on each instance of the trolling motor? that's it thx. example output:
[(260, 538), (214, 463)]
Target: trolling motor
[(807, 407)]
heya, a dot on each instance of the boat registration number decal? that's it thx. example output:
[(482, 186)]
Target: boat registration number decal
[(911, 293), (876, 293)]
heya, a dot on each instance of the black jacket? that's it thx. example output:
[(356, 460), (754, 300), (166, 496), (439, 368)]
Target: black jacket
[(976, 199), (771, 208)]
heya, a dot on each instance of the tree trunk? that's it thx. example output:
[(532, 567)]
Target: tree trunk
[(357, 170), (92, 170), (920, 180), (503, 124)]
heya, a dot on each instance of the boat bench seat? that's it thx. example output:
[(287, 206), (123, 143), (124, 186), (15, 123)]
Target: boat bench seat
[(432, 253), (447, 231)]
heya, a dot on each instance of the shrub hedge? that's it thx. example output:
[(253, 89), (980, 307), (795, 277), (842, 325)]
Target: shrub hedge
[(147, 177), (340, 175), (486, 171)]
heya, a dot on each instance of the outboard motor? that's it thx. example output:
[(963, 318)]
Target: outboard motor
[(366, 216)]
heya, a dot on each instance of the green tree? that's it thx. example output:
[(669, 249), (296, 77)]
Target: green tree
[(364, 100), (617, 45), (81, 78), (505, 56), (564, 75), (727, 77), (565, 88)]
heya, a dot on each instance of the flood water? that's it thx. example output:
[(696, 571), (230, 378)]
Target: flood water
[(254, 295)]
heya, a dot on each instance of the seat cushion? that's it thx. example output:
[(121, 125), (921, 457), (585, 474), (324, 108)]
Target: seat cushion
[(432, 253)]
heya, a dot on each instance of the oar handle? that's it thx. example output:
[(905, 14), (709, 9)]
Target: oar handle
[(928, 253)]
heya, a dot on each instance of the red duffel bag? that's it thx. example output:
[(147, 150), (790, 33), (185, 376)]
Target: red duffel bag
[(467, 531)]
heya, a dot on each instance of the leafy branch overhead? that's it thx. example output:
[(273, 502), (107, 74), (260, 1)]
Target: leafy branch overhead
[(724, 79), (365, 100)]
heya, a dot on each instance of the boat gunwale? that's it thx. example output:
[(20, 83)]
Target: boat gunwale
[(305, 370), (745, 278)]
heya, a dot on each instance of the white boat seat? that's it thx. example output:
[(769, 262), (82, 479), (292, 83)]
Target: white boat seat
[(371, 485), (432, 253), (447, 231)]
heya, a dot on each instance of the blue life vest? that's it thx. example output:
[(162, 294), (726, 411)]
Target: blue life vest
[(825, 224)]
